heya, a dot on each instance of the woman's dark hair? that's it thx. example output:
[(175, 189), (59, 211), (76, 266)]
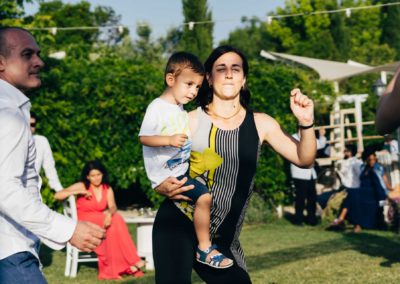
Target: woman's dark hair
[(365, 155), (205, 96), (93, 165)]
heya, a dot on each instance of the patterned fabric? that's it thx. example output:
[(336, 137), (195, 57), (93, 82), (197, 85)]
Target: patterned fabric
[(226, 161)]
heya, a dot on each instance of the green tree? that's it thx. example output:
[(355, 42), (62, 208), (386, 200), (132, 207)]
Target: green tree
[(77, 41), (390, 21), (197, 38), (11, 12), (252, 38), (93, 110)]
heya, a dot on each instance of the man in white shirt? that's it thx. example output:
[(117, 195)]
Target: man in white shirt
[(350, 167), (350, 170), (304, 183), (44, 157), (24, 219)]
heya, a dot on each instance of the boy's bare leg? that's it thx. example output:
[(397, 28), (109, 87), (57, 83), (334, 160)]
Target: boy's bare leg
[(201, 221)]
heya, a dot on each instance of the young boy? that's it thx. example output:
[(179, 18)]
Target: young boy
[(166, 143)]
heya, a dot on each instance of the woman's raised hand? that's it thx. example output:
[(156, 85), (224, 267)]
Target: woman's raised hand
[(302, 107)]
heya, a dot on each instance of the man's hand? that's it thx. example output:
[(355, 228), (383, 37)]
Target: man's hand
[(87, 236), (177, 140), (172, 188)]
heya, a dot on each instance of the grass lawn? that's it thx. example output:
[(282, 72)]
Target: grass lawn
[(283, 253)]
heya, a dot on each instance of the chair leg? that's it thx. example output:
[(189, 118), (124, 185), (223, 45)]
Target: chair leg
[(67, 272), (74, 266)]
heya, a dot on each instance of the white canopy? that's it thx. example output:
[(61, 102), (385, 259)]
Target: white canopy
[(332, 70)]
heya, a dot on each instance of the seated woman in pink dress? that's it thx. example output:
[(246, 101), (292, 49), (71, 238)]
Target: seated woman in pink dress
[(96, 203)]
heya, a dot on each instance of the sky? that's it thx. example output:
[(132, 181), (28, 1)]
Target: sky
[(165, 14)]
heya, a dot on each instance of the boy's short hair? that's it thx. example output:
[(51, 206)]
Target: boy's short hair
[(183, 60)]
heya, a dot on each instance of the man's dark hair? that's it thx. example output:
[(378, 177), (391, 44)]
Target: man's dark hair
[(352, 148), (34, 116), (183, 60), (4, 47)]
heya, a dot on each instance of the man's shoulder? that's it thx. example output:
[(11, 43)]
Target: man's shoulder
[(40, 138), (11, 118)]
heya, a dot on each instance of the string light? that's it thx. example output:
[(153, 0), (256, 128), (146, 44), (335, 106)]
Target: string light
[(346, 10), (348, 13), (191, 24)]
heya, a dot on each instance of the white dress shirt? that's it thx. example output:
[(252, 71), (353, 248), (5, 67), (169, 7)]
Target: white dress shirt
[(23, 217), (306, 173), (350, 169), (45, 160)]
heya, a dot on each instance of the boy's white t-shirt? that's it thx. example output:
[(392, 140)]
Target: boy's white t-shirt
[(165, 119)]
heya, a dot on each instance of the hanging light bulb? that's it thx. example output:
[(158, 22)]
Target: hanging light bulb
[(191, 26), (348, 12), (121, 29), (53, 31)]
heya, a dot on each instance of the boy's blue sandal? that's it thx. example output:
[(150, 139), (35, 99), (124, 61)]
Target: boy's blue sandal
[(214, 261)]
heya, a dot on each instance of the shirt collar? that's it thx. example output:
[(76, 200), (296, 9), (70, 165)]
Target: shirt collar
[(11, 94)]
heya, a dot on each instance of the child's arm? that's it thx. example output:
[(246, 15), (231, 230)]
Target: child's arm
[(176, 140)]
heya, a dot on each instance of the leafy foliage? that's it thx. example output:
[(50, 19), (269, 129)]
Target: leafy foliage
[(197, 39), (93, 110)]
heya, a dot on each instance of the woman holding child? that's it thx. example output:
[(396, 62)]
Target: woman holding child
[(224, 127)]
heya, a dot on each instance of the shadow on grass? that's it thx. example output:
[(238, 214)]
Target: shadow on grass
[(375, 246), (365, 243)]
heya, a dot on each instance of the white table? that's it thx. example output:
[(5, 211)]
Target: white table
[(144, 237)]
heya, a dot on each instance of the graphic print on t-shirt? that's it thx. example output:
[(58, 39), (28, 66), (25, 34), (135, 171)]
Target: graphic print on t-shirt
[(181, 157)]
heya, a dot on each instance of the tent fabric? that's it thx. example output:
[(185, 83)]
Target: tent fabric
[(332, 70)]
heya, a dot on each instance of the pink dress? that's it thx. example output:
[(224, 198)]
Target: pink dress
[(117, 253)]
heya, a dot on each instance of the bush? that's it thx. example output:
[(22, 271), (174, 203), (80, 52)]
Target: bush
[(259, 211)]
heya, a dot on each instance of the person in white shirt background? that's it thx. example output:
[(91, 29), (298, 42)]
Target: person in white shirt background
[(24, 219), (44, 157), (305, 189), (350, 170), (350, 167)]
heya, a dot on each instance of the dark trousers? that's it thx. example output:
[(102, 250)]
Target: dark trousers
[(174, 246), (306, 197)]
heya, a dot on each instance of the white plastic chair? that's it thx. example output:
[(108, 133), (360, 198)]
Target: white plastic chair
[(74, 255)]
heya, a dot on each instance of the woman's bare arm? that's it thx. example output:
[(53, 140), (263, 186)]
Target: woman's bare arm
[(387, 115), (74, 189)]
